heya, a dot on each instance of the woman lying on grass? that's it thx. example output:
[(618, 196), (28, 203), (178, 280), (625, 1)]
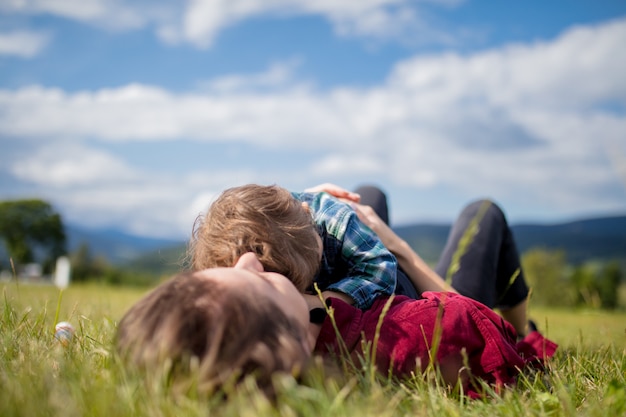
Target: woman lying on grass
[(250, 328), (209, 329)]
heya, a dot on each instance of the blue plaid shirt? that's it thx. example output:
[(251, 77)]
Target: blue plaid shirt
[(354, 260)]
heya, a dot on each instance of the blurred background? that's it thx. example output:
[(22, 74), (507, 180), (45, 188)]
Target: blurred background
[(129, 117)]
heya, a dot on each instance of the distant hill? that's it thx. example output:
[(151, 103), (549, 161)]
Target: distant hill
[(164, 261), (427, 239), (116, 246), (582, 240)]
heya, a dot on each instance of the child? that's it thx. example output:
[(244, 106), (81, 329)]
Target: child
[(283, 228), (214, 327), (217, 326)]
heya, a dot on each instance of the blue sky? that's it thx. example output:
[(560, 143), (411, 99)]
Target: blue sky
[(134, 115)]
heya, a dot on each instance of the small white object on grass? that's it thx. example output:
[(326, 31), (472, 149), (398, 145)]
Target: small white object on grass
[(64, 332)]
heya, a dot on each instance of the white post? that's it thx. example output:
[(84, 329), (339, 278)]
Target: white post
[(62, 272)]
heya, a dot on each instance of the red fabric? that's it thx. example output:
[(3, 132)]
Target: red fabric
[(469, 333)]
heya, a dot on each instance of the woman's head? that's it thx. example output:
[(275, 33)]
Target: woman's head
[(265, 220), (217, 326)]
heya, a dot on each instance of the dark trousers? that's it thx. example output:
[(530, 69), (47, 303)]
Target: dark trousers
[(480, 258)]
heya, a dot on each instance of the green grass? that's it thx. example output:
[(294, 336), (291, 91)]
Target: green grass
[(40, 377)]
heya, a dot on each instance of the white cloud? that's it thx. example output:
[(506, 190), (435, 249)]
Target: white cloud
[(278, 75), (578, 69), (199, 22), (354, 164), (498, 95), (112, 14), (154, 203), (202, 20), (138, 112), (615, 148), (74, 9), (95, 187), (22, 43), (68, 165)]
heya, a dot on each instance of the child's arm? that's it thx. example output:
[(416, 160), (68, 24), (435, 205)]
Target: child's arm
[(314, 301), (356, 263), (366, 268), (422, 276)]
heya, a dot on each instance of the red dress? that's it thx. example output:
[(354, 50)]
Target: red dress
[(468, 331)]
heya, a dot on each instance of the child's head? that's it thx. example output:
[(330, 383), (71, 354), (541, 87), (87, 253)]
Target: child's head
[(216, 326), (265, 220)]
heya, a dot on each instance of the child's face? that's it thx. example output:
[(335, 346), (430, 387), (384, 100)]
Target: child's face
[(248, 275)]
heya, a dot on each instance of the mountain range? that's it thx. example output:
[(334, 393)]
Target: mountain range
[(602, 238), (115, 246)]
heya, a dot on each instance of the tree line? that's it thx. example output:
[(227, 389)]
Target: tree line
[(32, 231), (555, 283)]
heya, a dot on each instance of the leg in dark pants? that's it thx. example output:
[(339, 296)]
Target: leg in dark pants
[(488, 267), (374, 197)]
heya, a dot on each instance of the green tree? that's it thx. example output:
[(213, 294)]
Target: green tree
[(608, 285), (32, 231), (597, 284), (547, 275), (86, 267), (584, 280)]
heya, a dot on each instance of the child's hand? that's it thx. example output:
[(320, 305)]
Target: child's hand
[(368, 216), (336, 191)]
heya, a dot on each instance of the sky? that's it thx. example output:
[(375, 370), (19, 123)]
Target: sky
[(135, 115)]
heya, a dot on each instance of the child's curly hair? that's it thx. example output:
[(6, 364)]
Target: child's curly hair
[(266, 220)]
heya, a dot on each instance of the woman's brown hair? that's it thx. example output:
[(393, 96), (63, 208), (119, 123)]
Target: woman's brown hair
[(208, 335), (266, 220)]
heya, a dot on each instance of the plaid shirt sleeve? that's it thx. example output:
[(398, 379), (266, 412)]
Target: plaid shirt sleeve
[(368, 269), (372, 268)]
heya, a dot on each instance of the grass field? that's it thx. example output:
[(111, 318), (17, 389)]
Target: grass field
[(40, 377)]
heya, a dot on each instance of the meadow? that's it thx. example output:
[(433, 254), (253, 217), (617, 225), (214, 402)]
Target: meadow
[(41, 377)]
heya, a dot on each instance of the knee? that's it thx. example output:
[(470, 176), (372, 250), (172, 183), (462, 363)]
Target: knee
[(374, 197), (490, 210), (372, 192)]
